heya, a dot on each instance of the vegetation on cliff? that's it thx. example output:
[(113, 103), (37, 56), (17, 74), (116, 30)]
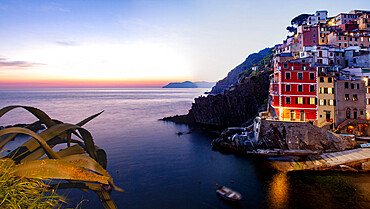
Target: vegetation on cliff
[(232, 76), (240, 102)]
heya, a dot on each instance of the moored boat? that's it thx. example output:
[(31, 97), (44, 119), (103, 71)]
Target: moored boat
[(228, 194)]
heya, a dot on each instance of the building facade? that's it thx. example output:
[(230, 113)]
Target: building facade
[(293, 91), (350, 99)]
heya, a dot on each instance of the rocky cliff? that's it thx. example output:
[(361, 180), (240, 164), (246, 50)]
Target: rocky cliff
[(232, 76)]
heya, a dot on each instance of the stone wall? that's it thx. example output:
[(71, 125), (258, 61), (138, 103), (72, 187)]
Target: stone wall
[(301, 135)]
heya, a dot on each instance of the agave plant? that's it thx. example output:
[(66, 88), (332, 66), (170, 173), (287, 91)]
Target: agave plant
[(86, 172)]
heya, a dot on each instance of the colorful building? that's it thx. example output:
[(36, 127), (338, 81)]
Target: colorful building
[(326, 101), (293, 91)]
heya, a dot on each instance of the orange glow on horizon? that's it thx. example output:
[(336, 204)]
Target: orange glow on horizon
[(84, 83)]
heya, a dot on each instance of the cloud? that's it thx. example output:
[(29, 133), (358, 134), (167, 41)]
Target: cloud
[(6, 64), (66, 43), (54, 7)]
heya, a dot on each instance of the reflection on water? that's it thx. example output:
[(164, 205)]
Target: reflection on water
[(279, 191), (160, 169)]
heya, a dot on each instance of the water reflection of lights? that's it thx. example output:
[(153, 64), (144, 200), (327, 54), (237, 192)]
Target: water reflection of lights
[(279, 191)]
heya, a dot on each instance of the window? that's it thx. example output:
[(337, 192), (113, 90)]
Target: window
[(355, 97), (321, 89), (312, 88), (348, 113), (300, 100), (300, 76), (331, 102), (285, 65), (339, 38), (330, 80), (345, 44), (352, 86), (321, 102), (321, 79), (345, 38), (361, 112), (346, 97), (346, 85), (312, 76), (325, 90), (300, 88), (330, 90), (368, 101), (287, 100), (358, 86), (314, 35), (287, 87), (362, 38), (368, 90), (287, 75), (312, 100)]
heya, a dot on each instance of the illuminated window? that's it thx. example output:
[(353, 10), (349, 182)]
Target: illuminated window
[(300, 100), (331, 102), (346, 97), (355, 97), (322, 102), (330, 91), (312, 100)]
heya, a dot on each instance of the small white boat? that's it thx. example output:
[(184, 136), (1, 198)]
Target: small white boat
[(229, 194)]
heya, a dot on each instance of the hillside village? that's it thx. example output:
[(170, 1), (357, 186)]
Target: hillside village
[(321, 73)]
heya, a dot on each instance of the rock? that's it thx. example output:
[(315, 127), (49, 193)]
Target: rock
[(347, 168), (365, 166)]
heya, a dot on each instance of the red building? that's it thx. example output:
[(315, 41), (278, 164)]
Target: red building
[(293, 91)]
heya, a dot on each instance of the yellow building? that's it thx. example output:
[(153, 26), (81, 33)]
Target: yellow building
[(326, 101)]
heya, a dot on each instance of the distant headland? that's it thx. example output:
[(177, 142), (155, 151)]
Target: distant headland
[(189, 84)]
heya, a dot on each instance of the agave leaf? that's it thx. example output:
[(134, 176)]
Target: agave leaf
[(40, 152), (90, 164), (42, 116), (54, 131), (72, 150), (57, 169), (86, 120), (38, 138), (7, 138), (104, 196)]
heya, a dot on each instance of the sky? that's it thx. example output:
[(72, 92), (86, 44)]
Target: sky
[(140, 43)]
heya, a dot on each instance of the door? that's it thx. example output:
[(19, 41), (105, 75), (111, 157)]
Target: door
[(292, 115), (301, 115)]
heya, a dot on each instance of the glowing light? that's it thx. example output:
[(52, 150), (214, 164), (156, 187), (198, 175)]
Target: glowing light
[(279, 190)]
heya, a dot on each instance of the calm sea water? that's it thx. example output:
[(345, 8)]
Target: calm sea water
[(159, 169)]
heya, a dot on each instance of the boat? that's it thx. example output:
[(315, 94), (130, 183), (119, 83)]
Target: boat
[(228, 194)]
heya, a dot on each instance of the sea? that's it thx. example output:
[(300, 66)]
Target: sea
[(158, 168)]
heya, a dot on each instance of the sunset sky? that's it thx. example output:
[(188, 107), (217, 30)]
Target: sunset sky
[(133, 43)]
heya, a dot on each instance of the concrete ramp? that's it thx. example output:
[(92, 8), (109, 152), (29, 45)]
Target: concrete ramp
[(326, 161)]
